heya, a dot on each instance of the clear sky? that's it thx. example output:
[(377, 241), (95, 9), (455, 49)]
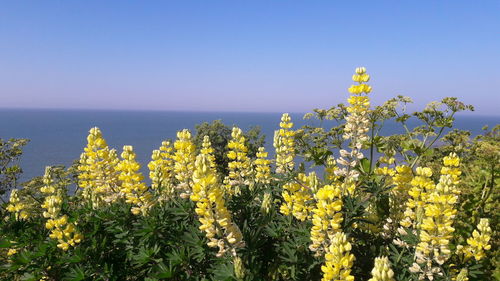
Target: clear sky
[(283, 56)]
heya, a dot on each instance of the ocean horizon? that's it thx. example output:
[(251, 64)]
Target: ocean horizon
[(58, 136)]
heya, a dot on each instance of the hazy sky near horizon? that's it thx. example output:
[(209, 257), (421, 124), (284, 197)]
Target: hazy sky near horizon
[(284, 56)]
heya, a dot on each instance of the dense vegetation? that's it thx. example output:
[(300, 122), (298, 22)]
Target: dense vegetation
[(339, 201)]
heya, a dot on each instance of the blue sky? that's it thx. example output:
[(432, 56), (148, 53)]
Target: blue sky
[(283, 56)]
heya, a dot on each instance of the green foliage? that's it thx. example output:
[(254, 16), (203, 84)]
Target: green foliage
[(167, 243), (220, 135), (10, 151)]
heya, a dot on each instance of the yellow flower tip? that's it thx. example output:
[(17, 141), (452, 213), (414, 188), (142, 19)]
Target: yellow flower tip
[(360, 70), (135, 211), (452, 160), (128, 148), (63, 246), (382, 270), (11, 252), (184, 134), (424, 172)]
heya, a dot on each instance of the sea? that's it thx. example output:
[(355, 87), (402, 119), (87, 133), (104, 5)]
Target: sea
[(57, 137)]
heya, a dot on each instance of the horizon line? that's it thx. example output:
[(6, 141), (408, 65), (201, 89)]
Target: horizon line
[(474, 113)]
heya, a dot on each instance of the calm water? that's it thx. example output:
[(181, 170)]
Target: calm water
[(58, 136)]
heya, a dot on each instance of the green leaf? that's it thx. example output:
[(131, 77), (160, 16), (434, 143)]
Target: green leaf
[(28, 277), (162, 271), (5, 243), (365, 165), (22, 258), (224, 272), (74, 274)]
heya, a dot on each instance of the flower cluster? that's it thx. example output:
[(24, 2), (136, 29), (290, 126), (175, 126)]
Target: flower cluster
[(375, 211), (385, 170), (213, 215), (326, 217), (382, 270), (401, 181), (356, 127), (338, 260), (298, 196), (479, 242), (11, 252), (451, 168), (18, 206), (284, 143), (462, 275), (161, 170), (184, 158), (133, 188), (267, 200), (421, 184), (436, 228), (97, 175), (239, 164), (60, 228), (262, 167), (207, 149), (330, 169)]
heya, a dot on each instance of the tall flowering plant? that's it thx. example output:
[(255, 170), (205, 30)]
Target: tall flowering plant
[(335, 201)]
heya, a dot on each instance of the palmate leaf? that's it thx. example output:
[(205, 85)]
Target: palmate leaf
[(195, 245), (476, 271), (288, 253), (223, 272), (161, 271), (401, 260), (145, 255), (74, 274)]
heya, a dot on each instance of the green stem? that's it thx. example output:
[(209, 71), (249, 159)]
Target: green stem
[(371, 147), (486, 195)]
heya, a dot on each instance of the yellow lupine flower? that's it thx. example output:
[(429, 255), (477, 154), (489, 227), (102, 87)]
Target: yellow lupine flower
[(213, 215), (265, 207), (239, 165), (22, 207), (132, 187), (382, 270), (239, 269), (262, 167), (298, 197), (421, 186), (97, 175), (284, 143), (161, 170), (399, 193), (384, 171), (478, 243), (451, 167), (63, 245), (387, 160), (402, 178), (338, 260), (326, 217), (462, 275), (436, 228), (330, 169), (11, 252), (355, 130), (60, 228), (207, 149), (184, 158)]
